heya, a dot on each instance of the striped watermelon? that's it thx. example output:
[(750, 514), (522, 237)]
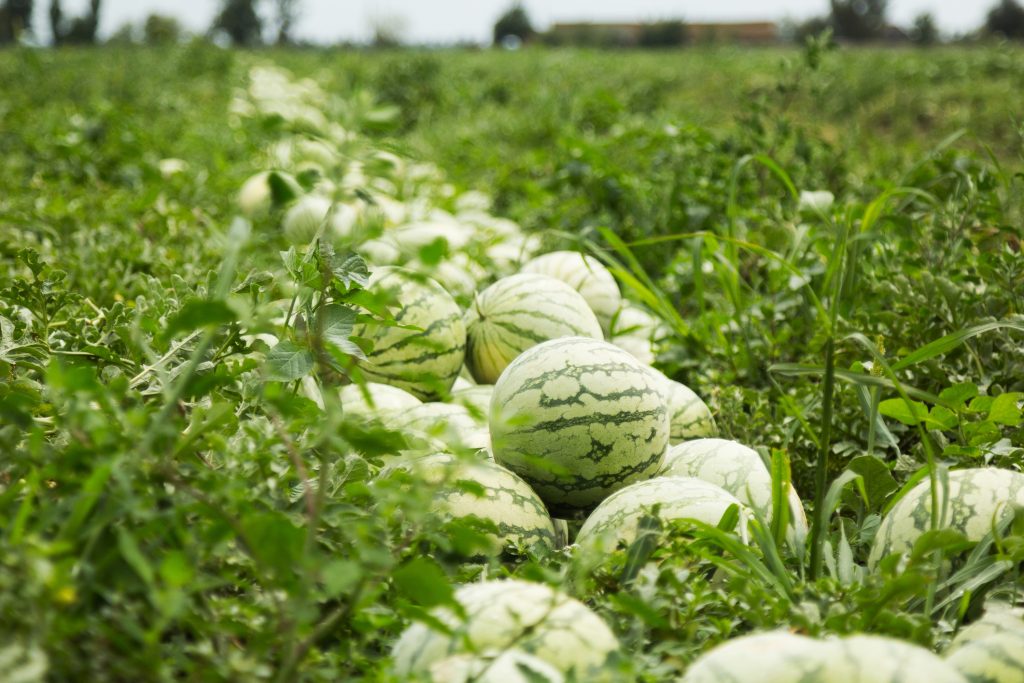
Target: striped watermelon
[(507, 500), (510, 613), (425, 360), (774, 657), (616, 519), (998, 617), (995, 658), (977, 499), (518, 312), (452, 424), (578, 419), (731, 465), (510, 666), (373, 398), (636, 331), (587, 276), (689, 416)]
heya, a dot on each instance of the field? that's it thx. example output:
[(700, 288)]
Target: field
[(823, 244)]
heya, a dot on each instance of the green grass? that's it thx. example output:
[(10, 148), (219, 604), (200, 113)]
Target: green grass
[(156, 516)]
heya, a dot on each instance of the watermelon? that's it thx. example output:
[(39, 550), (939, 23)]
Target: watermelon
[(998, 617), (587, 276), (477, 399), (876, 659), (510, 666), (689, 416), (506, 500), (452, 424), (518, 312), (773, 657), (426, 359), (616, 519), (780, 657), (373, 398), (995, 658), (731, 465), (578, 418), (977, 499), (509, 613), (640, 348)]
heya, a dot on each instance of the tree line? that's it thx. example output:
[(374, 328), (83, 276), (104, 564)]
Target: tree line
[(243, 24)]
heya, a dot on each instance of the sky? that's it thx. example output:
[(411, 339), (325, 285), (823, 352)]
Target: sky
[(446, 21)]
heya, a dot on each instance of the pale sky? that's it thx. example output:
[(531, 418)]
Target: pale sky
[(445, 21)]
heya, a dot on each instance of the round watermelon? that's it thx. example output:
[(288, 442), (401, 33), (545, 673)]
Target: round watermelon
[(578, 419), (507, 501), (876, 659), (518, 312), (503, 614), (373, 398), (998, 617), (995, 658), (587, 276), (452, 424), (689, 416), (774, 657), (977, 499), (423, 352), (510, 666), (617, 518), (731, 465)]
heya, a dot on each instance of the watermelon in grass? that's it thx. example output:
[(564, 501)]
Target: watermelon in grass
[(504, 614), (578, 419), (587, 276), (518, 312), (976, 500), (422, 352)]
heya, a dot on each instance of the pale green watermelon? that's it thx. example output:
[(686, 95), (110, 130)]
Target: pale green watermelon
[(452, 424), (373, 398), (578, 419), (425, 360), (587, 276), (977, 499), (518, 312), (731, 465), (509, 666), (774, 657), (510, 613), (998, 617), (876, 659), (617, 518), (689, 416), (507, 500), (995, 658)]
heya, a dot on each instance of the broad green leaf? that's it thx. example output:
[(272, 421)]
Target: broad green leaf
[(422, 581), (287, 362), (1005, 409)]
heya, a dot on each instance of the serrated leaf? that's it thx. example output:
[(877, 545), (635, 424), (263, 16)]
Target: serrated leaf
[(287, 362), (337, 324)]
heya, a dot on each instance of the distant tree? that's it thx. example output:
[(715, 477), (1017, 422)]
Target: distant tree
[(811, 28), (859, 20), (663, 34), (161, 29), (15, 19), (1006, 19), (514, 22), (287, 13), (925, 31), (78, 30), (126, 34), (387, 30), (239, 19)]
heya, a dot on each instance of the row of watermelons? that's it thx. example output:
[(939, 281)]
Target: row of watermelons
[(565, 423)]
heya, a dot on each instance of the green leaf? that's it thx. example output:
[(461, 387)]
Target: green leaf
[(274, 541), (422, 581), (907, 412), (198, 314), (641, 549), (878, 480), (287, 362), (959, 394), (340, 576), (337, 323), (1005, 409), (176, 569), (945, 540), (132, 554)]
